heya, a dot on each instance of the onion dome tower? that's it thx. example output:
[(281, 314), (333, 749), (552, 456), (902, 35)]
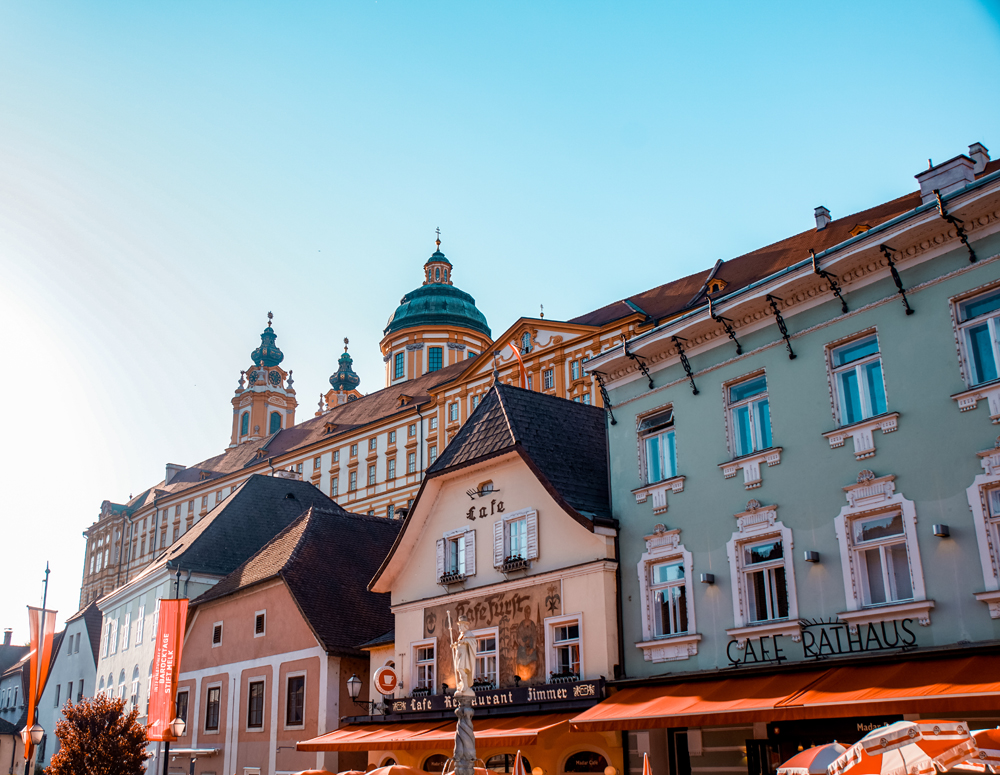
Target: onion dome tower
[(344, 383), (434, 325), (265, 402)]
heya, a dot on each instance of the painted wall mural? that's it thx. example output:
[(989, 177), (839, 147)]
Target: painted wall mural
[(518, 616)]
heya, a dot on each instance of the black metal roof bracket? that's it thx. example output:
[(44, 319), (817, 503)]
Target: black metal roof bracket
[(599, 376), (887, 252), (639, 361), (958, 223), (725, 324), (685, 362), (773, 301), (830, 279)]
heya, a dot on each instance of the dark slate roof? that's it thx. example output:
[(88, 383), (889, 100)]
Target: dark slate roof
[(6, 728), (564, 442), (676, 296), (240, 525), (381, 640), (11, 655), (325, 558), (92, 619)]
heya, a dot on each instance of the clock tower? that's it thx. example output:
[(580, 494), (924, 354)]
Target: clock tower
[(265, 400)]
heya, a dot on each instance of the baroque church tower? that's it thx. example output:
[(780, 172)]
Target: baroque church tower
[(434, 326), (265, 400), (343, 384)]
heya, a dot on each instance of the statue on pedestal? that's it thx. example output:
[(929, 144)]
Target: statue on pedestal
[(463, 655)]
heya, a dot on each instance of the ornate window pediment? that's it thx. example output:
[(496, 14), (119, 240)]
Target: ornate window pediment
[(667, 599)]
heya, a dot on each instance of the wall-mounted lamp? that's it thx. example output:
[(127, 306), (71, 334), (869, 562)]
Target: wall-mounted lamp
[(942, 531), (812, 556), (707, 578)]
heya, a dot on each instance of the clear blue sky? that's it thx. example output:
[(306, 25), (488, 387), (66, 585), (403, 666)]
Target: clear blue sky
[(170, 171)]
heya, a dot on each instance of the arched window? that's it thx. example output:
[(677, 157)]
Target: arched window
[(121, 684), (585, 761), (388, 762), (526, 342), (134, 699), (275, 422), (437, 273), (111, 685), (435, 762), (100, 688), (245, 424)]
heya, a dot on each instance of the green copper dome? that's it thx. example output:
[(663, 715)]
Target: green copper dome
[(345, 378), (437, 303), (268, 353)]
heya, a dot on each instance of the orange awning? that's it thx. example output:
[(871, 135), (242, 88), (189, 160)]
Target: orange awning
[(512, 731), (953, 685), (723, 700)]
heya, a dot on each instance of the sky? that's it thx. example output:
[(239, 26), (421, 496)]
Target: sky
[(170, 172)]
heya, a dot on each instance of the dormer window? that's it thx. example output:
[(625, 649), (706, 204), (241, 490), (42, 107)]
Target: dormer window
[(716, 284)]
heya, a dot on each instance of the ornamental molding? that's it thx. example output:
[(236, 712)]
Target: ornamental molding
[(670, 649), (658, 492), (978, 494), (757, 518), (750, 465), (992, 599), (663, 539), (863, 434), (989, 459), (810, 288), (455, 346), (914, 609), (415, 346), (870, 490), (386, 358), (969, 399)]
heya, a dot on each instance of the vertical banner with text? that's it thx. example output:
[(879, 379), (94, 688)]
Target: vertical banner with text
[(166, 666), (40, 623)]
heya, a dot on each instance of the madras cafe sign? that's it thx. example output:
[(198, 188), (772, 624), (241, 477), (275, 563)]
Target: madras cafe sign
[(521, 695)]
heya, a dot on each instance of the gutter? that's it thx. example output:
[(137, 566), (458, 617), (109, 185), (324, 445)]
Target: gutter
[(882, 227)]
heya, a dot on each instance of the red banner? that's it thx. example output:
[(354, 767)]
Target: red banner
[(40, 661), (520, 363), (166, 666)]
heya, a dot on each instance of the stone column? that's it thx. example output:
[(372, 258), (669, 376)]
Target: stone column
[(465, 740)]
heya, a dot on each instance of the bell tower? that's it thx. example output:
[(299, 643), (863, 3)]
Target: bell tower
[(264, 402), (343, 384)]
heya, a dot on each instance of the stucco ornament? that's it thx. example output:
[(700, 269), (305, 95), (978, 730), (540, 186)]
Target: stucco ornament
[(866, 476)]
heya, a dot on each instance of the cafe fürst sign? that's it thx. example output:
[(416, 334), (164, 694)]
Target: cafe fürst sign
[(820, 640), (504, 698)]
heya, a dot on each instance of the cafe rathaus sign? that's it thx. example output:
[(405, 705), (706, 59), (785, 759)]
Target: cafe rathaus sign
[(822, 639), (510, 698)]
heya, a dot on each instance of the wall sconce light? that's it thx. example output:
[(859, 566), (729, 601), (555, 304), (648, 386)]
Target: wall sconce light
[(942, 531), (707, 578), (812, 556)]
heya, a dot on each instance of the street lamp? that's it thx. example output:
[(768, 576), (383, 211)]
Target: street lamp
[(354, 687), (354, 691), (177, 727)]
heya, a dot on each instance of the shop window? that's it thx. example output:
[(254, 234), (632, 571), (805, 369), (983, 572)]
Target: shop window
[(749, 416), (859, 390), (585, 761), (979, 334), (295, 696), (563, 647), (255, 705), (435, 358), (659, 459), (504, 763)]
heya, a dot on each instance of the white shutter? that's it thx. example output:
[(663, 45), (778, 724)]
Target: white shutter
[(532, 520), (470, 553), (440, 557), (498, 543)]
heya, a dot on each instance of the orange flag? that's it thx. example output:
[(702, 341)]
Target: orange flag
[(646, 769), (520, 362), (518, 765), (40, 661), (166, 667)]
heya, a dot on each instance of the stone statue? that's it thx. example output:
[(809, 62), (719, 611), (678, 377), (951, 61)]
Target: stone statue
[(463, 655)]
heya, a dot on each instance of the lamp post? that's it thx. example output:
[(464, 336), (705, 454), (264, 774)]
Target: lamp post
[(354, 691), (177, 727)]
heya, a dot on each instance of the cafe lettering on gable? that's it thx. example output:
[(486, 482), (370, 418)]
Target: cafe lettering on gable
[(819, 640)]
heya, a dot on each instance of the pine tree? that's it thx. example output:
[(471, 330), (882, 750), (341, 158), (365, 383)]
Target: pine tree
[(97, 737)]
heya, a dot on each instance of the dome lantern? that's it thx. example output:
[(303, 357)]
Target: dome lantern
[(268, 353)]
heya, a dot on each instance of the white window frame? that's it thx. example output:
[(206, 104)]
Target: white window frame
[(660, 431), (871, 497), (305, 698), (390, 468), (204, 720), (126, 630), (263, 711), (665, 546), (411, 462), (432, 454), (467, 560), (140, 620), (501, 536), (222, 634), (760, 523), (550, 625), (835, 371), (134, 696), (548, 379), (255, 615), (453, 411), (992, 319), (414, 669), (987, 527), (752, 404), (487, 632)]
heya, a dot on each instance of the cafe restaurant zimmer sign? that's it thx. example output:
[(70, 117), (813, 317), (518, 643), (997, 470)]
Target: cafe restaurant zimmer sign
[(521, 695)]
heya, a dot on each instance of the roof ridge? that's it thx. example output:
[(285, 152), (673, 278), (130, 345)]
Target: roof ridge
[(503, 410)]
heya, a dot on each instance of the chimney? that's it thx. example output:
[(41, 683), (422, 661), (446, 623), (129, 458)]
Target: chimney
[(952, 175), (980, 155), (7, 635), (822, 218), (172, 470)]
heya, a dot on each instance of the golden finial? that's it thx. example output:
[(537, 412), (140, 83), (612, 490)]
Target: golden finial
[(346, 342), (270, 317), (541, 312), (438, 240)]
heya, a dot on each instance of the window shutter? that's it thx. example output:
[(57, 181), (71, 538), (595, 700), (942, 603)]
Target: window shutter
[(470, 553), (440, 557), (498, 543), (532, 520)]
